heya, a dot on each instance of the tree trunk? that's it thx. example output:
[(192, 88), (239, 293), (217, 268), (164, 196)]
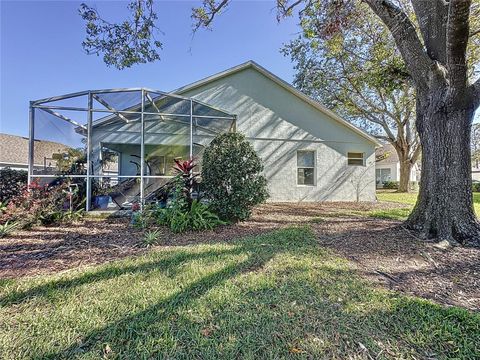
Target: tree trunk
[(444, 208), (405, 170)]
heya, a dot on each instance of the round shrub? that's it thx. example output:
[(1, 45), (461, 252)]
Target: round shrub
[(231, 177), (390, 185), (11, 183)]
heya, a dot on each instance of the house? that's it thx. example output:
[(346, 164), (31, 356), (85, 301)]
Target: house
[(14, 153), (309, 152), (388, 168)]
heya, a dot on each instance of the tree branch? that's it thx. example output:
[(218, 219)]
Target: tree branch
[(432, 18), (205, 14), (457, 41), (413, 53)]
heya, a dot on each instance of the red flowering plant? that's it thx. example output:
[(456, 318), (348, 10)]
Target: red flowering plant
[(36, 204), (186, 179)]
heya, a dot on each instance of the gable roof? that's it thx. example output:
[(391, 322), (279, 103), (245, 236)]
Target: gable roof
[(14, 150), (253, 65), (388, 152)]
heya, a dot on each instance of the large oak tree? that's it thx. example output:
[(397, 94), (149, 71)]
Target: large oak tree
[(356, 70), (435, 57)]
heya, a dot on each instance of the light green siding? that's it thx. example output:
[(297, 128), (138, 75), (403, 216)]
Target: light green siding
[(278, 123)]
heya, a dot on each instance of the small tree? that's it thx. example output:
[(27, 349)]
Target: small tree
[(231, 177)]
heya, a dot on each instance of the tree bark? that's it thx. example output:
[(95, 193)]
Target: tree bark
[(405, 170), (444, 209)]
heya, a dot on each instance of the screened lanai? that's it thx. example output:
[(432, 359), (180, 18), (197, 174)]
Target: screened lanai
[(119, 145)]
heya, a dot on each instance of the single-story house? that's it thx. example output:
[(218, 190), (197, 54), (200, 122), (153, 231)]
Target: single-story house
[(14, 153), (309, 152), (388, 167)]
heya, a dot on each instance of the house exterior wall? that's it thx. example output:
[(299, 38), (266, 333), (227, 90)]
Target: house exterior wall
[(395, 172), (278, 123)]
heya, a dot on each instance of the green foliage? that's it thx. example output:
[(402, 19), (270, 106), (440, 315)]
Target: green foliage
[(42, 204), (476, 187), (3, 207), (231, 177), (390, 185), (179, 219), (11, 183), (72, 161), (126, 43), (7, 228), (139, 220), (151, 237)]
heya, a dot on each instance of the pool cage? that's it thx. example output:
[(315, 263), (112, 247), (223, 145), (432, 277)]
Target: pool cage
[(119, 145)]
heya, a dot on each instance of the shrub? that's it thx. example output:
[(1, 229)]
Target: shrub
[(151, 237), (476, 187), (11, 183), (197, 218), (231, 177), (7, 228), (41, 204), (390, 185)]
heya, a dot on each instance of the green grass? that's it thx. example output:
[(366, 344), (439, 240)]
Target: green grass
[(411, 198), (390, 214), (274, 296)]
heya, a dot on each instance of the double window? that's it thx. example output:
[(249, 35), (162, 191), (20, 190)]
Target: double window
[(306, 167), (355, 158)]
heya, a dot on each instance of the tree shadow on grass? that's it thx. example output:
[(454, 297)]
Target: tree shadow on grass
[(133, 329), (59, 287), (305, 304)]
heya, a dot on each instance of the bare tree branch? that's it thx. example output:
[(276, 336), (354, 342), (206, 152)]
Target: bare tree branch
[(474, 32)]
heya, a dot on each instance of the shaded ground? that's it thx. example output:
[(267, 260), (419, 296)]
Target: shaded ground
[(382, 250)]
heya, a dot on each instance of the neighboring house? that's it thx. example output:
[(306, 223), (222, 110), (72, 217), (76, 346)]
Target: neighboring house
[(14, 153), (476, 173), (388, 168), (309, 152)]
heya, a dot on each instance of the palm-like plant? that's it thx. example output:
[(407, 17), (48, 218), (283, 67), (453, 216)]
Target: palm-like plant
[(184, 172)]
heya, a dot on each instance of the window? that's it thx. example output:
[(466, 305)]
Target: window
[(382, 176), (355, 158), (306, 167)]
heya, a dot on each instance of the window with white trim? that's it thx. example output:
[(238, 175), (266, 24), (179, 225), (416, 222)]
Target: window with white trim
[(306, 167), (355, 158)]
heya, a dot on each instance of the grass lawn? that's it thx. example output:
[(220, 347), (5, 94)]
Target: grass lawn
[(272, 296), (410, 199)]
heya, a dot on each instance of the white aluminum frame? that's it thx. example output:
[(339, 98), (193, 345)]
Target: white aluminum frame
[(145, 93)]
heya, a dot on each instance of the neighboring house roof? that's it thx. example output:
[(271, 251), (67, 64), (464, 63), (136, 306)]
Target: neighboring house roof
[(14, 150), (389, 153), (282, 83)]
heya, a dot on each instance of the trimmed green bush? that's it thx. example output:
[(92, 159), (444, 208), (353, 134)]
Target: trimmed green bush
[(231, 177), (12, 183), (390, 185), (476, 187)]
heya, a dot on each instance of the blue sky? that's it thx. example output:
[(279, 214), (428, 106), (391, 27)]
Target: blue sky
[(41, 53)]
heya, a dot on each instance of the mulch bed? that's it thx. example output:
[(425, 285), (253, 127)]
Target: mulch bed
[(382, 250)]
